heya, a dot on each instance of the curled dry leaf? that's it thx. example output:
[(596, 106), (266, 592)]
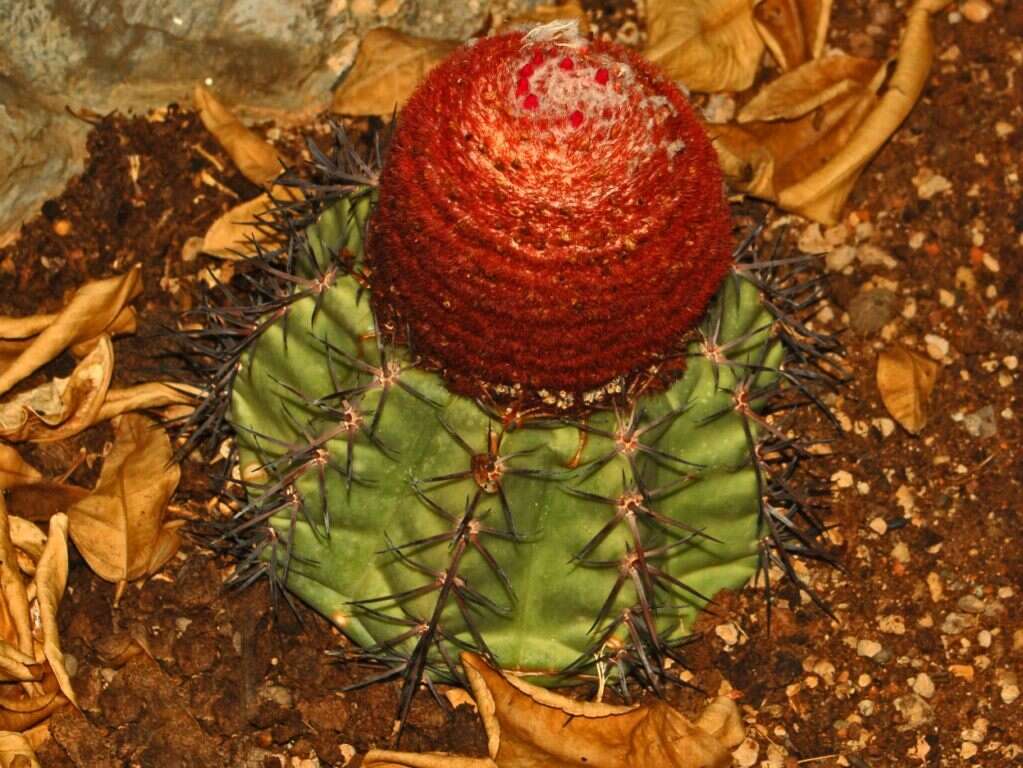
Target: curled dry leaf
[(33, 679), (794, 30), (154, 394), (50, 582), (810, 86), (387, 69), (531, 727), (710, 45), (16, 751), (96, 308), (235, 234), (119, 528), (64, 406), (906, 380), (255, 158), (809, 164), (14, 470)]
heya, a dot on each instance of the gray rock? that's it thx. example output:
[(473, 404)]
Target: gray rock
[(914, 710), (264, 58), (982, 422), (871, 310)]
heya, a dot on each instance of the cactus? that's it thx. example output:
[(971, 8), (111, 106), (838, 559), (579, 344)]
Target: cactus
[(437, 458)]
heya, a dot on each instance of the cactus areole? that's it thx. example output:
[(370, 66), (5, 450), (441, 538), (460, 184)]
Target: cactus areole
[(551, 215), (507, 389)]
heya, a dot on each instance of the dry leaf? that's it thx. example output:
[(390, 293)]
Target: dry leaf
[(764, 158), (61, 407), (906, 380), (119, 528), (154, 394), (95, 308), (15, 621), (33, 679), (14, 470), (809, 165), (255, 158), (710, 45), (810, 86), (794, 30), (50, 582), (16, 751), (27, 536), (531, 727), (234, 234), (544, 14), (387, 69)]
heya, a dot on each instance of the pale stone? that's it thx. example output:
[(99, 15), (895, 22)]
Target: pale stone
[(923, 685), (868, 648), (976, 11)]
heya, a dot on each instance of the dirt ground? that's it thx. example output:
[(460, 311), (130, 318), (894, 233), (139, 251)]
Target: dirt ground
[(924, 661)]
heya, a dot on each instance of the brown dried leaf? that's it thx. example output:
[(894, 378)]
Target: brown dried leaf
[(154, 394), (61, 407), (387, 69), (906, 380), (16, 666), (20, 711), (15, 619), (94, 309), (809, 165), (812, 85), (120, 528), (14, 470), (50, 582), (16, 751), (531, 727), (794, 30), (255, 158), (27, 536), (234, 234), (710, 45)]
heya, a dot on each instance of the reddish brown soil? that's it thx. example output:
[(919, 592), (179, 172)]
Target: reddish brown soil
[(220, 682)]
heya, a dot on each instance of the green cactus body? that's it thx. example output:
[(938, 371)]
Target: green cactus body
[(403, 503), (510, 391)]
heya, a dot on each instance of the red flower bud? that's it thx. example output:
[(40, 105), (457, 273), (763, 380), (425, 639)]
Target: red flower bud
[(554, 241)]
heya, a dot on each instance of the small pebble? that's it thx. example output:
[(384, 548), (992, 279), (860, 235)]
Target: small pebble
[(62, 227), (1010, 693), (962, 671), (727, 632), (970, 604), (842, 479), (982, 422), (879, 526), (900, 552), (955, 623), (923, 685), (937, 347), (871, 310), (976, 11), (892, 625), (868, 648)]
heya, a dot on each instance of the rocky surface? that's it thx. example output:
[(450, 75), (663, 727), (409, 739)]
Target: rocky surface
[(270, 58)]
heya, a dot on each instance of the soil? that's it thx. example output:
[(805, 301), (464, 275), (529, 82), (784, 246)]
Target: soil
[(920, 664)]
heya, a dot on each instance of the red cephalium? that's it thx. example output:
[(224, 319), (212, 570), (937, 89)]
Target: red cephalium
[(551, 214)]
